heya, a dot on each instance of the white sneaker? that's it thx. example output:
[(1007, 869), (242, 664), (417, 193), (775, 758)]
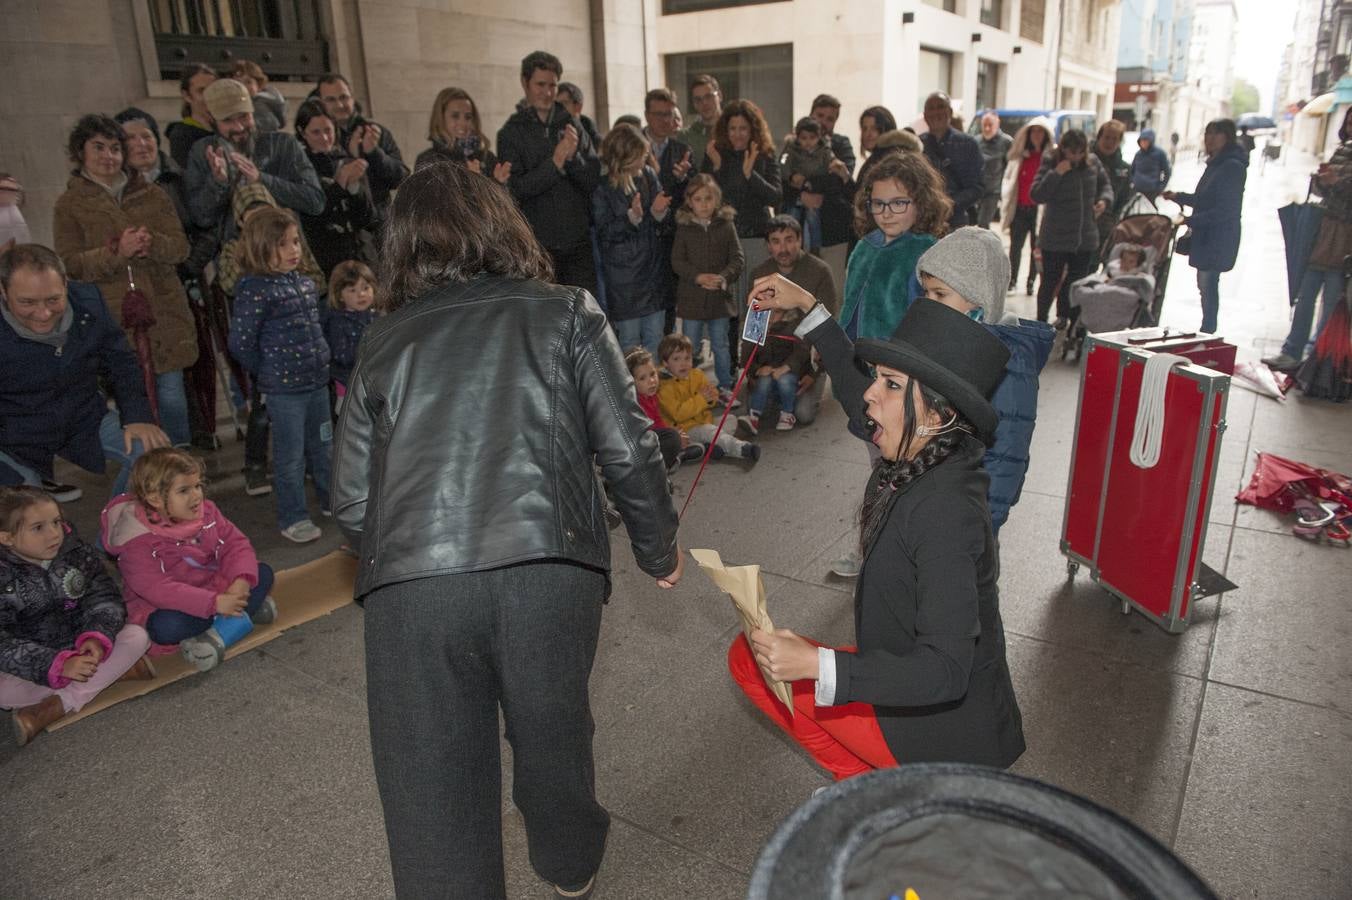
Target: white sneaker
[(786, 422), (303, 532), (848, 566), (751, 422), (204, 652)]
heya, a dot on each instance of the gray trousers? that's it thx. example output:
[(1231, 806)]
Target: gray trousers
[(442, 654)]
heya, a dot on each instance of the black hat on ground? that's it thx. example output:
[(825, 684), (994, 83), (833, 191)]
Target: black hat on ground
[(948, 353), (948, 830)]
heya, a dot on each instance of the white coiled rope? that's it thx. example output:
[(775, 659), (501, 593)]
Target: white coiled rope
[(1149, 434)]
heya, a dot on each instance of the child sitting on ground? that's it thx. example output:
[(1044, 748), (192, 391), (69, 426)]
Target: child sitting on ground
[(64, 634), (779, 364), (687, 399), (352, 291), (276, 336), (969, 271), (807, 159), (182, 561), (675, 444)]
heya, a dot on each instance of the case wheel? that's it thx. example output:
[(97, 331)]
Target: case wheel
[(1072, 567)]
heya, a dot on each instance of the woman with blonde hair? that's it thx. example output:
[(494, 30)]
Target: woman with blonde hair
[(631, 213), (457, 136)]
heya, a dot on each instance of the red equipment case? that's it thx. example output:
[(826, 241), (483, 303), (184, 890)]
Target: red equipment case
[(1141, 531)]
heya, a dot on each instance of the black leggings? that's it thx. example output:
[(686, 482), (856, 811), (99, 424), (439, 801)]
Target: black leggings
[(1022, 225), (1073, 266)]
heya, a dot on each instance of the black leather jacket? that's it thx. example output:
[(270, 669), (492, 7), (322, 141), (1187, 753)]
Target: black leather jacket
[(468, 437)]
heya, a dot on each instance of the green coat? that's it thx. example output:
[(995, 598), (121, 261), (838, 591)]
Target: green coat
[(881, 282)]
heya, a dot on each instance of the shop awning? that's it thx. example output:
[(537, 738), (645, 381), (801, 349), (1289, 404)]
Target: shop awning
[(1320, 106)]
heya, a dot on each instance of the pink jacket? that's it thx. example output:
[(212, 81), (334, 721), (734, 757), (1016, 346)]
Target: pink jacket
[(180, 565)]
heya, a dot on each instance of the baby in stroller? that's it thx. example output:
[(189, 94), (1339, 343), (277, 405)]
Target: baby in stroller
[(1116, 298)]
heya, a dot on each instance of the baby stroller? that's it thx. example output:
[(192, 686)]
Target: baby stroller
[(1109, 301)]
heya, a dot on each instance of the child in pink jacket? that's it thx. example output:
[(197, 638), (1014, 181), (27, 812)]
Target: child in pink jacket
[(182, 561)]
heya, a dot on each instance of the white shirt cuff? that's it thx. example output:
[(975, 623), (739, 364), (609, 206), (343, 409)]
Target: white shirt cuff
[(815, 317), (825, 694)]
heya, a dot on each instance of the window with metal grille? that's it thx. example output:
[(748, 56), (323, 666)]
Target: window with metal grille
[(285, 37)]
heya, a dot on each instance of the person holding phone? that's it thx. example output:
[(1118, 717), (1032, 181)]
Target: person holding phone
[(1073, 188)]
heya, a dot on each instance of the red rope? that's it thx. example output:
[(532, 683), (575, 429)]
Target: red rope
[(708, 451)]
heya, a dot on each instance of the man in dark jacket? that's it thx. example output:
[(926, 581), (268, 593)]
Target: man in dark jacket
[(995, 146), (955, 156), (237, 155), (1150, 170), (836, 197), (555, 169), (56, 342), (570, 95), (672, 162), (364, 139), (1108, 150)]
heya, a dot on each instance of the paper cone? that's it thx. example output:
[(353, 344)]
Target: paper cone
[(743, 584)]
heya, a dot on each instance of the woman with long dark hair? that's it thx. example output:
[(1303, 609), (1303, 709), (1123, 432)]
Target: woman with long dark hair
[(1217, 203), (464, 476), (927, 679), (340, 232)]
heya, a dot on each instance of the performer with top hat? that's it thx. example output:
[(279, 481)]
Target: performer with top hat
[(928, 679)]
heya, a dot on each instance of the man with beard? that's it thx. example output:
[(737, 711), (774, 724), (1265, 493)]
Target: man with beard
[(787, 258), (835, 194), (239, 155), (363, 139), (555, 169)]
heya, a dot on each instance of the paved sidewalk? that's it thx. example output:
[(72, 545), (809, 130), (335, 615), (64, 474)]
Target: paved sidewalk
[(1231, 743)]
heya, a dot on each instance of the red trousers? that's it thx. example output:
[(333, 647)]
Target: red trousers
[(845, 740)]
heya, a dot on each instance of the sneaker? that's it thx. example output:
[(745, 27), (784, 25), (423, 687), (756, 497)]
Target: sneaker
[(848, 566), (751, 452), (786, 422), (204, 652), (693, 453), (62, 493), (718, 453), (751, 422), (302, 532), (266, 613), (1030, 288), (725, 398), (1279, 362), (256, 482), (582, 891)]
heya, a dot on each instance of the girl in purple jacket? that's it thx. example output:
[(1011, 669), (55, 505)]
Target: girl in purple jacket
[(182, 562)]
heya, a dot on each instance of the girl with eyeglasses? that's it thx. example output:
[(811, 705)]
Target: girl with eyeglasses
[(900, 211)]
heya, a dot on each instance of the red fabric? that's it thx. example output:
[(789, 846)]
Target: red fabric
[(845, 740), (653, 409), (1027, 172)]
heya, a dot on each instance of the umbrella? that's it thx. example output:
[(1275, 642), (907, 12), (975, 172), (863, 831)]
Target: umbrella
[(1320, 498), (1300, 228), (138, 318), (1328, 371), (1255, 122)]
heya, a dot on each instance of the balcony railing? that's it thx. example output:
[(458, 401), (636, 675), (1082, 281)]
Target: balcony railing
[(285, 37)]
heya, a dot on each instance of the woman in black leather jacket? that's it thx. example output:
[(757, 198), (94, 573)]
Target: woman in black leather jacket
[(464, 476)]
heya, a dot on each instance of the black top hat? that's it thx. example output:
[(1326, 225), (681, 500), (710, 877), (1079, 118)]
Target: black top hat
[(948, 353)]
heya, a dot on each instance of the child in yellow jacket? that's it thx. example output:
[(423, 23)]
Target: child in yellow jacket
[(687, 398)]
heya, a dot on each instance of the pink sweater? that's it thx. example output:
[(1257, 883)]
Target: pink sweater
[(178, 565)]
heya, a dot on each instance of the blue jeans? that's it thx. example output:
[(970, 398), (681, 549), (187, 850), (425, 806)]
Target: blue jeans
[(644, 331), (785, 388), (302, 431), (110, 436), (718, 337), (173, 407), (1209, 286), (169, 626), (1330, 282)]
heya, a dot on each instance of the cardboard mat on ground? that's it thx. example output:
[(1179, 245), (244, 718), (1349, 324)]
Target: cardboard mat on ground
[(302, 594)]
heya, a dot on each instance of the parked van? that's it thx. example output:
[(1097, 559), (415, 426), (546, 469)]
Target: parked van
[(1011, 120)]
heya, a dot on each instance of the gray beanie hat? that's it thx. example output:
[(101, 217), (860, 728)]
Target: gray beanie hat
[(971, 261)]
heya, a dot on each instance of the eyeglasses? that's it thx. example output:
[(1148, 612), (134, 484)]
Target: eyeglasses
[(896, 206)]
